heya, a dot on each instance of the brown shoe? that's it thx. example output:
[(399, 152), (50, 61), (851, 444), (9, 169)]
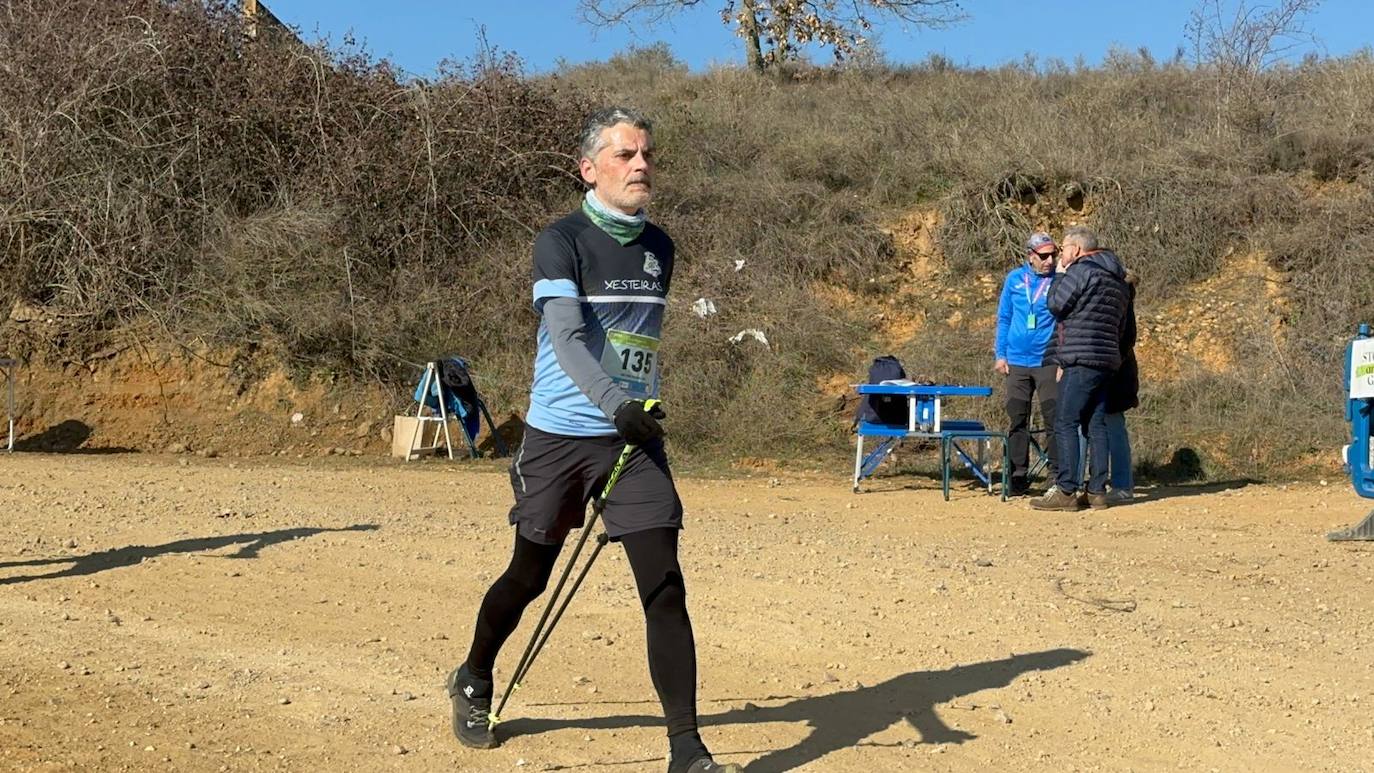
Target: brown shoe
[(1098, 501), (1057, 499)]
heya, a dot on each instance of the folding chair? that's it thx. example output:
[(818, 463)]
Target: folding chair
[(1041, 452), (966, 441), (1041, 462), (954, 434)]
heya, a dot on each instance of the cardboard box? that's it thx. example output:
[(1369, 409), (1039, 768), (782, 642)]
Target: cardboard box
[(407, 443)]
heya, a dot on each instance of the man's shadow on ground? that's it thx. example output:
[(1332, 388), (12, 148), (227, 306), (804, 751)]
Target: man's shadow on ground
[(842, 719), (252, 544)]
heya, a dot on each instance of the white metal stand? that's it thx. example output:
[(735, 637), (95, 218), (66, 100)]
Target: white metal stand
[(431, 379), (7, 364)]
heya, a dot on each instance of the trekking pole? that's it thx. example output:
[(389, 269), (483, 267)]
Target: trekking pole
[(541, 636)]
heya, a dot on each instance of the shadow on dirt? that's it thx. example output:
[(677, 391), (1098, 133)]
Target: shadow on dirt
[(69, 437), (843, 719), (252, 544)]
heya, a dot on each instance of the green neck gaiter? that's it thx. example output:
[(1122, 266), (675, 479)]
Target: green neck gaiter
[(623, 228)]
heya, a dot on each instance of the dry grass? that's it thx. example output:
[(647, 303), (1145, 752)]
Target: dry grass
[(311, 203)]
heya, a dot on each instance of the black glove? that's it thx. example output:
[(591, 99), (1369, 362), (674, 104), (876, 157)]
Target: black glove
[(637, 425)]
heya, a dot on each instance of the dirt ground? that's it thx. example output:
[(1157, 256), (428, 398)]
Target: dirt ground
[(189, 614)]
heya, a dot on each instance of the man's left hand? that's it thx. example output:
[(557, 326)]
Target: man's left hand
[(636, 425)]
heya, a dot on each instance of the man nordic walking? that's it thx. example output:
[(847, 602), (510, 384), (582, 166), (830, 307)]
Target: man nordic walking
[(601, 277)]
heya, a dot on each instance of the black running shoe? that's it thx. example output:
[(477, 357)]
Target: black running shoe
[(471, 709), (708, 765)]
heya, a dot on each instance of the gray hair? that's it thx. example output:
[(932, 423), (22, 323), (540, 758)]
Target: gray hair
[(1083, 236), (590, 142)]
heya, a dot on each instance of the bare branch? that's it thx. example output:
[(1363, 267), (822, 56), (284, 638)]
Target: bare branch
[(782, 27)]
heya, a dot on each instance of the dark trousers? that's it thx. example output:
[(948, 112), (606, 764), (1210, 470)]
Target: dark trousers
[(1082, 405), (1022, 385), (654, 563)]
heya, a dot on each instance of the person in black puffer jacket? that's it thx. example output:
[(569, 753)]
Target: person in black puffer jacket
[(1090, 302), (1123, 394)]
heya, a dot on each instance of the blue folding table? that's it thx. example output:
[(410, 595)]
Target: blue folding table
[(925, 419)]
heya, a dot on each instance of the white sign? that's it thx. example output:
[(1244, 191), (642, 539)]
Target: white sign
[(1362, 369)]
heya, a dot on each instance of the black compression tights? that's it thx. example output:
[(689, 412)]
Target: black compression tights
[(653, 559)]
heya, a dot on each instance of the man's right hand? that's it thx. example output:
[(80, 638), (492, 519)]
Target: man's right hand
[(636, 425), (1001, 367)]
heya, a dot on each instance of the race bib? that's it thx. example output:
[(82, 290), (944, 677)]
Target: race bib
[(632, 361)]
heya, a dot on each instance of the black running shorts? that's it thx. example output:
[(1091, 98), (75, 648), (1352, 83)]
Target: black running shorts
[(555, 476)]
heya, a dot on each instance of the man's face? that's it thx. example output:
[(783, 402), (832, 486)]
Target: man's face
[(1071, 253), (1043, 262), (622, 171)]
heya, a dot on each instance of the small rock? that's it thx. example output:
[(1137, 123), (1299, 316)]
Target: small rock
[(983, 562), (297, 417), (69, 544), (399, 749), (64, 665), (176, 448), (1001, 716), (283, 700)]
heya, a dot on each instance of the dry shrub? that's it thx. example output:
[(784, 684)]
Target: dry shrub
[(310, 201), (263, 191)]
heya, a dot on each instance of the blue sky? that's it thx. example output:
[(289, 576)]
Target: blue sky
[(418, 34)]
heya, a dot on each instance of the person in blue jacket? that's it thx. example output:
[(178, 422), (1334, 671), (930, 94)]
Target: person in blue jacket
[(1025, 330)]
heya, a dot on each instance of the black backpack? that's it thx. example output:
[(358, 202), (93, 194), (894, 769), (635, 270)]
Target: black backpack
[(453, 374), (883, 409)]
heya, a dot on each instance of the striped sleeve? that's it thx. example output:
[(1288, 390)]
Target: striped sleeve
[(555, 268)]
